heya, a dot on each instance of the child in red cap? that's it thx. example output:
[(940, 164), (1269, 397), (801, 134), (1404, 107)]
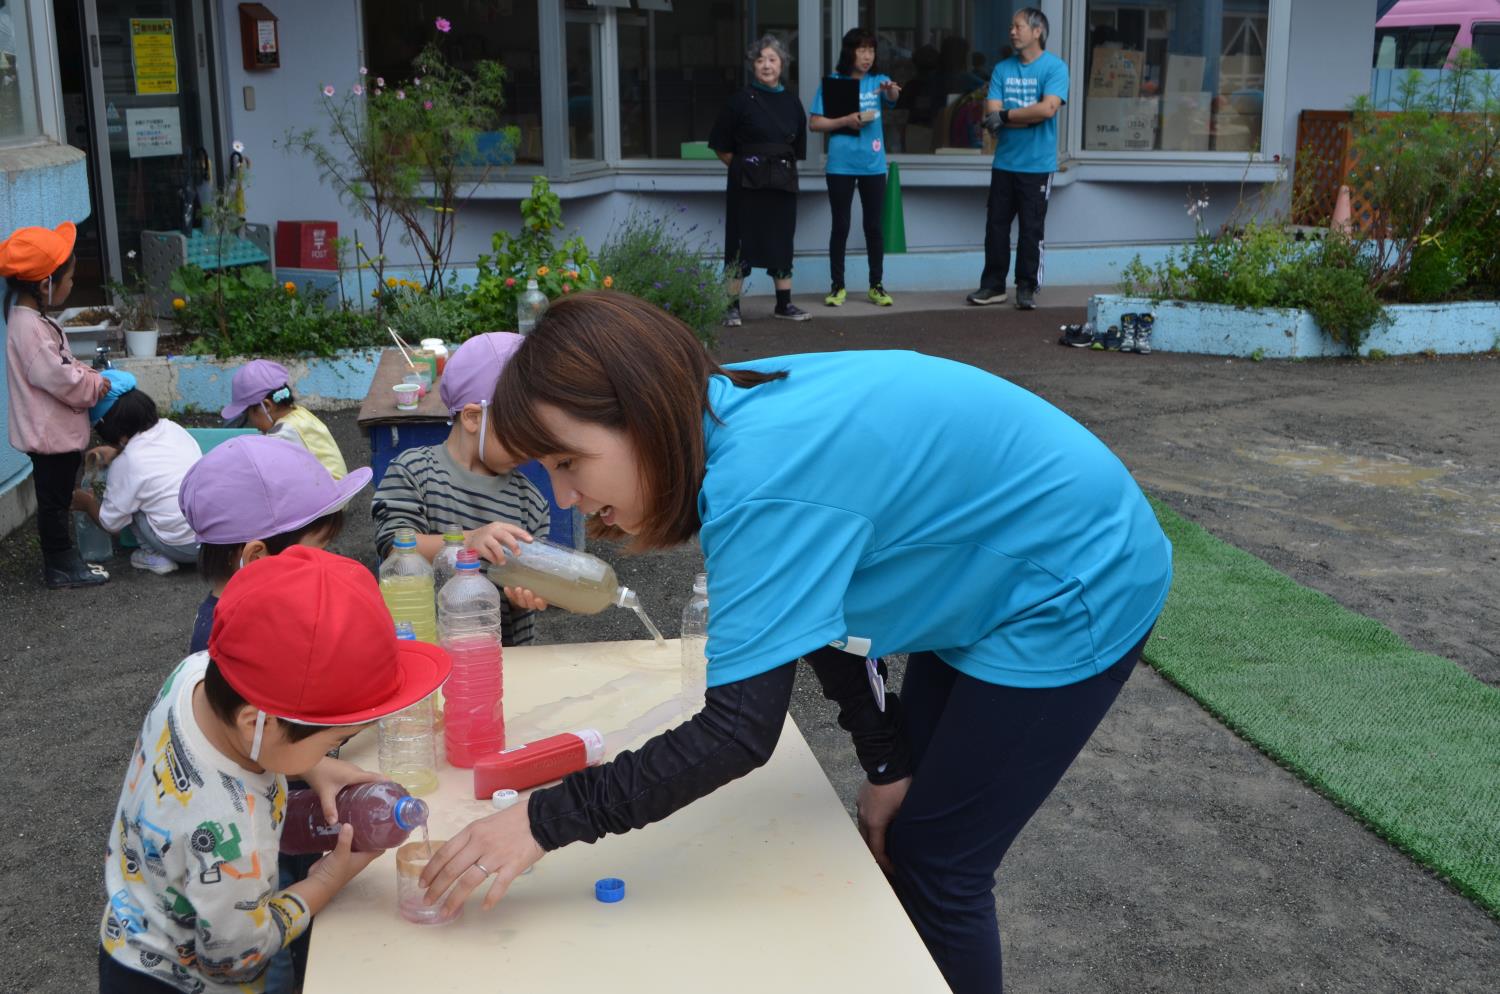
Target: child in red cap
[(50, 390), (303, 655)]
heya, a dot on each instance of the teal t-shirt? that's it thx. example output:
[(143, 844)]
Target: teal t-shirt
[(1020, 84), (919, 504), (862, 154)]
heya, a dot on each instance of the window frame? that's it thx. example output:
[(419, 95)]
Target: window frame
[(41, 89), (1273, 101)]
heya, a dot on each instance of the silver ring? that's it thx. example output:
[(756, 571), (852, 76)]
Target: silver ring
[(480, 867)]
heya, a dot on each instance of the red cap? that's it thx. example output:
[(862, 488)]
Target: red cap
[(304, 635), (33, 254)]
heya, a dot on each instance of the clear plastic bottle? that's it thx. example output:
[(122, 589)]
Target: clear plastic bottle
[(474, 716), (383, 815), (445, 563), (695, 647), (408, 740), (566, 578), (406, 585), (530, 306), (95, 544)]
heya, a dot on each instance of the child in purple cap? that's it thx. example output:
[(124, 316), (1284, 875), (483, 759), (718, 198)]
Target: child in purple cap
[(260, 395), (468, 484), (252, 497)]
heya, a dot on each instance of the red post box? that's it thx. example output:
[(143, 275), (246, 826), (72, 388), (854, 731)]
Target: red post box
[(306, 244)]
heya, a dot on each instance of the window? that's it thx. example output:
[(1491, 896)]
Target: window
[(18, 109), (680, 62), (1487, 44), (505, 31), (1168, 76), (942, 53), (1424, 47), (582, 61)]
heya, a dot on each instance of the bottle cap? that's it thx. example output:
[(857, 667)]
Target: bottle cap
[(405, 632), (593, 745), (504, 798), (410, 813), (609, 890), (700, 583)]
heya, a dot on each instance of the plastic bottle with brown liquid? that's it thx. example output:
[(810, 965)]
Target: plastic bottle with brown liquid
[(572, 580)]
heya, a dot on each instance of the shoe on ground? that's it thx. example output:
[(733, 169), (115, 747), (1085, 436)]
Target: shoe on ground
[(987, 295), (732, 317), (1109, 341), (879, 297), (1078, 336), (791, 313), (836, 298), (1127, 333), (1025, 298), (155, 562), (1143, 325), (62, 570)]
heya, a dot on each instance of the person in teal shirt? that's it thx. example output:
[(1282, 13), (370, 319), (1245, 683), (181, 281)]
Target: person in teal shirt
[(1026, 92), (850, 505), (856, 158)]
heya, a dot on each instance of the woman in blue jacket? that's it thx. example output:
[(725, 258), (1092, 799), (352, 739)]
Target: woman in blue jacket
[(856, 158), (849, 505)]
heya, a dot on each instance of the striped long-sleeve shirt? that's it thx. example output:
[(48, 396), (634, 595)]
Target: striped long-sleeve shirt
[(423, 488)]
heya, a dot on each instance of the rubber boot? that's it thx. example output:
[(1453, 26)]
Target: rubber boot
[(67, 569)]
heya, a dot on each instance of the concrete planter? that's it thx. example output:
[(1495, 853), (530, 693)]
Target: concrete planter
[(1287, 333), (179, 383)]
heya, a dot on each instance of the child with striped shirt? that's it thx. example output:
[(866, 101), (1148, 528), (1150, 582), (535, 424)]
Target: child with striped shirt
[(470, 482)]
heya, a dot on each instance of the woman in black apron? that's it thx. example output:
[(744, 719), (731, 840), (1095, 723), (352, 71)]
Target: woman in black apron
[(760, 135)]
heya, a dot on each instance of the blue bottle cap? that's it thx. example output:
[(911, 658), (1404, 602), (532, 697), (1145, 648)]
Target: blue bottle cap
[(609, 890)]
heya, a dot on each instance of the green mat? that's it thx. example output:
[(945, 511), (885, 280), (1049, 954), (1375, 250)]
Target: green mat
[(1407, 742)]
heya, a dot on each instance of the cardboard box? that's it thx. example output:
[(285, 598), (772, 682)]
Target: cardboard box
[(1184, 74), (306, 244), (1241, 72), (1186, 121), (1112, 124), (1236, 132), (1115, 72)]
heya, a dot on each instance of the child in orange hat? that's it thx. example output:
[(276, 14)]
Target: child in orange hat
[(50, 390)]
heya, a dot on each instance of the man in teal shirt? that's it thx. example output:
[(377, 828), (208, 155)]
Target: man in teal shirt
[(1026, 92)]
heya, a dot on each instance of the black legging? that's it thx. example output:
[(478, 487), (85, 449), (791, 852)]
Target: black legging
[(53, 476), (871, 200)]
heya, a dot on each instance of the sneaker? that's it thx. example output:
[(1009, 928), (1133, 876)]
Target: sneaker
[(732, 317), (1025, 298), (1110, 340), (987, 295), (153, 561), (1127, 332), (879, 297), (791, 313), (836, 298), (1143, 325), (61, 570), (1079, 336)]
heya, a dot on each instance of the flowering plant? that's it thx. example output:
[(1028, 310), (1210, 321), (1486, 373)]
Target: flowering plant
[(531, 254)]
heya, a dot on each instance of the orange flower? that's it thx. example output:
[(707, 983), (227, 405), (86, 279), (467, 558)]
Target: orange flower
[(289, 287), (573, 274), (609, 281), (542, 271), (391, 282), (178, 303)]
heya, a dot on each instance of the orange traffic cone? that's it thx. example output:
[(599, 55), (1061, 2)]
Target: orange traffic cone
[(1343, 213)]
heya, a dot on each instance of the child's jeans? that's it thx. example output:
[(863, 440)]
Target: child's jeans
[(184, 554)]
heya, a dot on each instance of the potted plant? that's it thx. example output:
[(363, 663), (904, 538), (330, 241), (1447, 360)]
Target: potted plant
[(135, 308)]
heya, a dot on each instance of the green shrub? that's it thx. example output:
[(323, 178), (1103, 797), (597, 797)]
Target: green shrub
[(648, 255), (246, 312), (530, 254), (416, 314)]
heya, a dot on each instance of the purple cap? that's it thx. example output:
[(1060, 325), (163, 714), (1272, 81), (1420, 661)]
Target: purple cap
[(252, 383), (473, 370), (255, 486)]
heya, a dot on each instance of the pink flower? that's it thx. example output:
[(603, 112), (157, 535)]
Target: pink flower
[(379, 80), (427, 105), (400, 94), (417, 81), (357, 90), (328, 90), (363, 71), (443, 24)]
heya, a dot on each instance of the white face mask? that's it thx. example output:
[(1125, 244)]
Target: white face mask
[(260, 731), (49, 291), (484, 425)]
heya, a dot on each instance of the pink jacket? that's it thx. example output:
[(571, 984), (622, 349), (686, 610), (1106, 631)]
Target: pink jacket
[(50, 391)]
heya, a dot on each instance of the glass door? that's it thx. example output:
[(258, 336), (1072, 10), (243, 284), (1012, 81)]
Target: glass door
[(151, 122)]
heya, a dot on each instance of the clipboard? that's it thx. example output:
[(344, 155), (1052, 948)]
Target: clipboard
[(841, 97)]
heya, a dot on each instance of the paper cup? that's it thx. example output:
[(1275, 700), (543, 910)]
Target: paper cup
[(407, 396)]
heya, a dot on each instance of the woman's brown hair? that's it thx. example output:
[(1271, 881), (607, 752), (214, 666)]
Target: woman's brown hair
[(614, 360)]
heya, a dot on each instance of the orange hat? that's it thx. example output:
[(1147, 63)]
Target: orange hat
[(34, 254)]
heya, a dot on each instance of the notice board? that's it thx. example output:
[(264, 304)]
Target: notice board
[(153, 54)]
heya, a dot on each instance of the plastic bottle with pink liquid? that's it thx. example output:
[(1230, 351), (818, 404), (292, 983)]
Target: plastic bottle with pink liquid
[(469, 622), (383, 815)]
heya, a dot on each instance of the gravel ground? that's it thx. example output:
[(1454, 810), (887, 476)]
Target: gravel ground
[(1173, 857)]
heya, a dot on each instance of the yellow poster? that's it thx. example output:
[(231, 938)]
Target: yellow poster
[(154, 53)]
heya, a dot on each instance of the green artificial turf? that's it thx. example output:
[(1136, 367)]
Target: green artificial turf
[(1407, 742)]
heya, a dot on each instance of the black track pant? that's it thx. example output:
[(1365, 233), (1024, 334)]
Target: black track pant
[(1012, 196), (840, 201), (54, 475)]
